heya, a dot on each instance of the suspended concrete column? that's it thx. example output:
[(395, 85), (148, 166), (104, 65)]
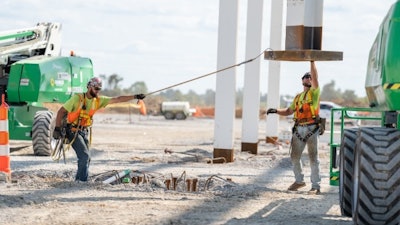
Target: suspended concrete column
[(313, 13), (272, 122), (251, 88), (304, 34), (304, 24), (226, 80), (294, 25)]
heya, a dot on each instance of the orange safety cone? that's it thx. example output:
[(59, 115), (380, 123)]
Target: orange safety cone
[(4, 141), (142, 109)]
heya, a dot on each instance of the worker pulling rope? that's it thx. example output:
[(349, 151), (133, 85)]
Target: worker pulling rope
[(208, 74), (58, 151)]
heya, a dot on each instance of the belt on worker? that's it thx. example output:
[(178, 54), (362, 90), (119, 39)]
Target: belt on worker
[(305, 122), (74, 128)]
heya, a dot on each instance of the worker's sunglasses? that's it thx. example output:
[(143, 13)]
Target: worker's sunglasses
[(97, 88)]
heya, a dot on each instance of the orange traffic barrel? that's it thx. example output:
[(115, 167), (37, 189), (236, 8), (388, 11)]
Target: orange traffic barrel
[(4, 141)]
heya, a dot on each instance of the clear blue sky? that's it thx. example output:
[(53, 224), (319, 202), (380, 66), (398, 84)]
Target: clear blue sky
[(166, 42)]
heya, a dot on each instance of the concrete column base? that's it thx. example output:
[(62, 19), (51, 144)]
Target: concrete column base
[(223, 153), (250, 147), (271, 140)]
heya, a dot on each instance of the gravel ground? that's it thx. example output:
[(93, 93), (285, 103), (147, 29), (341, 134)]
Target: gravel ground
[(250, 190)]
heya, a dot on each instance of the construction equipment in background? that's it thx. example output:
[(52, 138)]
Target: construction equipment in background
[(36, 80), (179, 110)]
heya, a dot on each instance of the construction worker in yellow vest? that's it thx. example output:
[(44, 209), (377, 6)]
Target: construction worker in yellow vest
[(75, 116), (306, 129)]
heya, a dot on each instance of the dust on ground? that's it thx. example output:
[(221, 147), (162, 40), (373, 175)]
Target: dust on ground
[(250, 190)]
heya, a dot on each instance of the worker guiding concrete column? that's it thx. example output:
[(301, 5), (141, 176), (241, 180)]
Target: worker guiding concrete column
[(303, 43)]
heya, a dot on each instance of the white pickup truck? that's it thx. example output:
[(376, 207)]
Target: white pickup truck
[(179, 110)]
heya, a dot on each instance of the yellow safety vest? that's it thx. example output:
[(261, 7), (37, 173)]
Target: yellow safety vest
[(304, 110), (82, 116)]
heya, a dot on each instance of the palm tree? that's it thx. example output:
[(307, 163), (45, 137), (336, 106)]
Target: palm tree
[(113, 81)]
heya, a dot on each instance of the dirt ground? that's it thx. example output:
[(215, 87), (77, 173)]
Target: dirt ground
[(250, 190)]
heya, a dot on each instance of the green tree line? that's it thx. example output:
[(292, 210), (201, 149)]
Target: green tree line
[(112, 83)]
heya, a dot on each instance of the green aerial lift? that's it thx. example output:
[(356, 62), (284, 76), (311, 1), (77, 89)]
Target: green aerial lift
[(35, 79)]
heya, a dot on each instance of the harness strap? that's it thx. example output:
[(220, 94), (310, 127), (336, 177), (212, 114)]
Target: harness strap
[(307, 99), (306, 121), (75, 131), (311, 102), (90, 136), (304, 139), (79, 128)]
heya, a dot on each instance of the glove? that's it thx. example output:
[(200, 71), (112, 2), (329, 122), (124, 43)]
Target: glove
[(271, 110), (57, 133), (140, 96)]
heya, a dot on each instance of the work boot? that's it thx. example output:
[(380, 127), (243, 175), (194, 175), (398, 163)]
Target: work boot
[(295, 186), (314, 191)]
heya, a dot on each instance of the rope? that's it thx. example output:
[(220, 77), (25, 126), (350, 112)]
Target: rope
[(58, 150), (208, 74)]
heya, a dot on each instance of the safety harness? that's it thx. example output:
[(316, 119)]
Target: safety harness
[(78, 120), (305, 115), (304, 111), (309, 134), (82, 117)]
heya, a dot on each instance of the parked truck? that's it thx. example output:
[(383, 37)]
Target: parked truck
[(365, 162), (179, 110), (35, 78)]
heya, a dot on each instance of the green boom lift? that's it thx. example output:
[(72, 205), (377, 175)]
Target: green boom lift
[(35, 79)]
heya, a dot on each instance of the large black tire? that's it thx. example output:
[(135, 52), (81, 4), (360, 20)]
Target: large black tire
[(376, 193), (347, 148), (42, 129)]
